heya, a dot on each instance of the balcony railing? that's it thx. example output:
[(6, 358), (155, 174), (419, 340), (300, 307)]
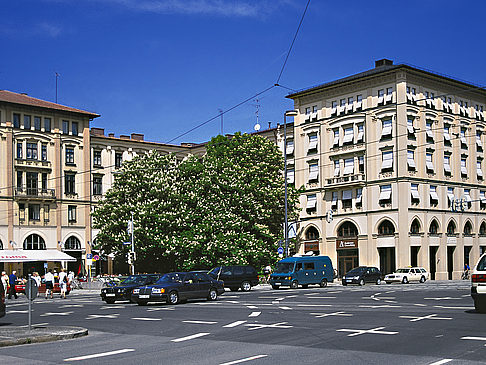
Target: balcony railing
[(32, 163), (347, 179), (35, 193)]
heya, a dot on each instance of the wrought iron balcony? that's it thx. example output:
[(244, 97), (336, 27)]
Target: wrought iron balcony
[(35, 193)]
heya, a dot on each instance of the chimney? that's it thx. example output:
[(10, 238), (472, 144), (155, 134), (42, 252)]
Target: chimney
[(97, 131), (269, 125), (137, 136), (24, 94), (383, 62), (111, 135), (123, 136)]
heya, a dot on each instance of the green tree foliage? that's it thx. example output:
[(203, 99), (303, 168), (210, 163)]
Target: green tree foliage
[(224, 208)]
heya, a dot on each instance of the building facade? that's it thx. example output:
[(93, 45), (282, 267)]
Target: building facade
[(384, 155)]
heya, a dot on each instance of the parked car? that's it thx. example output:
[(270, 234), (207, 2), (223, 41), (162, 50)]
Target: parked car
[(235, 277), (178, 286), (123, 290), (363, 274), (2, 300), (478, 285), (407, 275), (306, 270)]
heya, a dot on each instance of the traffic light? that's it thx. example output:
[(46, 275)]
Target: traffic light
[(129, 258)]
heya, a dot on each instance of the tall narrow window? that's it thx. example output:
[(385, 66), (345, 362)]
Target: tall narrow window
[(347, 199), (70, 185), (387, 163), (289, 150), (19, 180), (69, 155), (74, 127), (34, 212), (479, 170), (97, 158), (27, 122), (312, 142), (385, 194), (44, 182), (429, 164), (467, 196), (16, 120), (44, 152), (313, 172), (463, 167), (434, 198), (415, 193), (19, 149), (479, 144), (411, 160), (361, 164), (348, 166), (386, 131), (97, 185), (311, 202), (47, 124), (65, 126), (337, 170), (450, 197), (447, 165), (71, 213), (463, 138), (119, 157), (359, 196), (31, 151), (410, 129), (348, 135), (335, 142), (360, 137), (447, 134), (334, 201), (290, 175), (428, 131), (37, 123)]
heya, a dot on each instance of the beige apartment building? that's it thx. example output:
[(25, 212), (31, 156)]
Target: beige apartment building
[(389, 151)]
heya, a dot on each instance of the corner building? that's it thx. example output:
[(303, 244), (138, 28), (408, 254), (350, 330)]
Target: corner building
[(388, 151)]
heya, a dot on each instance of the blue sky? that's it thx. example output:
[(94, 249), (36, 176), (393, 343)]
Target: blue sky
[(162, 67)]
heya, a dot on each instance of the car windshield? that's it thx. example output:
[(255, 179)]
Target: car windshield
[(284, 267), (170, 278), (403, 271), (357, 270), (482, 264), (135, 279)]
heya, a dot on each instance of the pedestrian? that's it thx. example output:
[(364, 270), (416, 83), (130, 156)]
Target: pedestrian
[(63, 283), (267, 271), (12, 280), (37, 278), (5, 282), (49, 279)]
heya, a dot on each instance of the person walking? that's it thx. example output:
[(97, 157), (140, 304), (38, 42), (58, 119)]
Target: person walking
[(12, 279), (63, 283), (37, 279), (5, 282), (49, 278)]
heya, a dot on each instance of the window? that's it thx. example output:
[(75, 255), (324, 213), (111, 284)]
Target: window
[(19, 149), (411, 160), (482, 199), (312, 233), (119, 156), (289, 150), (334, 201), (479, 144), (386, 131), (450, 196), (314, 109), (415, 227), (463, 138), (312, 142), (389, 90), (447, 134), (290, 175), (347, 229), (37, 123), (19, 180), (31, 180), (335, 141), (415, 193), (482, 229), (451, 228), (44, 152), (386, 228), (44, 181), (337, 170), (46, 213), (70, 185), (34, 242), (347, 199), (381, 93), (434, 227), (96, 158), (348, 166), (359, 98), (334, 104), (350, 100), (98, 185), (361, 164), (307, 110), (428, 131), (74, 126), (434, 198), (69, 155), (348, 135), (72, 244), (385, 194), (308, 266), (16, 120), (467, 196), (342, 102), (71, 213), (429, 163), (447, 165), (479, 170), (65, 126), (34, 212), (359, 197), (311, 202), (463, 167), (410, 129), (313, 171), (387, 160), (47, 124), (31, 151), (468, 229), (360, 137), (27, 122)]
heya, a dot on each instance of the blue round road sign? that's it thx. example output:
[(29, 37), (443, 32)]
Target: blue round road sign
[(280, 250)]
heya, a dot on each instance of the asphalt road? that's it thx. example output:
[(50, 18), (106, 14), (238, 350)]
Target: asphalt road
[(431, 323)]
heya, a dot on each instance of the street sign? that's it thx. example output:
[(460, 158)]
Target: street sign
[(45, 265), (89, 262), (89, 256), (329, 216), (96, 257), (280, 250), (31, 289), (292, 232)]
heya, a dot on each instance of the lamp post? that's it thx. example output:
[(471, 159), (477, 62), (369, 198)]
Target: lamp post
[(288, 113)]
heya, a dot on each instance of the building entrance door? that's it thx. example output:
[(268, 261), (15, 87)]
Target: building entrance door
[(414, 250), (450, 261), (432, 261), (387, 259), (347, 260)]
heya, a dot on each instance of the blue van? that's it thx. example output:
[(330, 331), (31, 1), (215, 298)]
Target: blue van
[(295, 271)]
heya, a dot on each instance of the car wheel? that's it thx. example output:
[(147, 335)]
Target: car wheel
[(275, 287), (422, 279), (213, 294), (405, 280), (246, 286), (361, 282), (173, 297), (378, 281), (323, 283), (294, 284), (142, 302), (234, 289), (110, 301)]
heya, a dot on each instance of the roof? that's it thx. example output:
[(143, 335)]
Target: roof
[(23, 99), (383, 69)]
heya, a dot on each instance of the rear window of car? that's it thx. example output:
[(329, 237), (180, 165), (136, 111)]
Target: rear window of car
[(482, 264)]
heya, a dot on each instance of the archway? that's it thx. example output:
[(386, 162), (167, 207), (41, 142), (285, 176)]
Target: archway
[(72, 247), (311, 242), (34, 242), (347, 247), (387, 254)]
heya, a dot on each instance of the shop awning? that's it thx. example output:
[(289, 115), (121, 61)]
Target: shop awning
[(33, 255)]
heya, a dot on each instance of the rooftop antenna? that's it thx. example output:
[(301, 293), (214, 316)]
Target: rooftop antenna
[(57, 76)]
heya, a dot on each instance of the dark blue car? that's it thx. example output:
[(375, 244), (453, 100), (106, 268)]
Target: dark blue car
[(178, 286), (123, 291)]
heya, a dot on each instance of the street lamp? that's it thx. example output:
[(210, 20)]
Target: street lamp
[(288, 113)]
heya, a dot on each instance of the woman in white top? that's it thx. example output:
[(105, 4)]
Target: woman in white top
[(63, 283)]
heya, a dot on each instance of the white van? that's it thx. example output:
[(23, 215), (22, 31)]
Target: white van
[(478, 285)]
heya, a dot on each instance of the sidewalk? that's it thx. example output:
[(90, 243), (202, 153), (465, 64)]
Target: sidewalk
[(11, 336)]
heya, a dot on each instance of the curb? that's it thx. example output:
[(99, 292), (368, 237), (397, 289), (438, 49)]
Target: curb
[(12, 336)]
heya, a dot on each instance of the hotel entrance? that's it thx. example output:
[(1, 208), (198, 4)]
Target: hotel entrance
[(347, 248)]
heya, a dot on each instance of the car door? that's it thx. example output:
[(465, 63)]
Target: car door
[(299, 273), (368, 275), (189, 286), (203, 284)]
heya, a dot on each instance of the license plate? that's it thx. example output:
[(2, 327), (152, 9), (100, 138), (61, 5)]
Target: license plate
[(110, 295), (144, 296), (277, 283), (349, 280)]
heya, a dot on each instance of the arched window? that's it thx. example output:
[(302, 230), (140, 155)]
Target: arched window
[(415, 227), (72, 243), (34, 242), (347, 229), (1, 245), (311, 234), (468, 228), (386, 228), (482, 229), (451, 228), (434, 227)]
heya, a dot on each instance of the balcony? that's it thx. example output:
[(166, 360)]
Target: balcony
[(35, 193), (32, 163), (347, 180)]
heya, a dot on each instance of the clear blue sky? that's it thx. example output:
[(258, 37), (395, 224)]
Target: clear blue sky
[(162, 67)]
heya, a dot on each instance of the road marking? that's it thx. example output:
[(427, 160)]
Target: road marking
[(443, 307), (232, 301), (251, 307), (113, 307), (161, 309), (147, 319), (234, 324), (312, 294), (72, 306), (257, 326), (56, 314), (420, 305), (444, 298), (35, 325), (99, 355), (314, 305), (374, 331), (440, 362), (286, 308), (200, 322), (380, 306), (254, 314), (321, 315), (244, 360), (14, 311), (201, 334), (323, 298), (95, 316), (430, 316), (474, 338)]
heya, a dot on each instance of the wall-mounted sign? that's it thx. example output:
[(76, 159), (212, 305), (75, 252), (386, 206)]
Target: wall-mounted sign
[(343, 244)]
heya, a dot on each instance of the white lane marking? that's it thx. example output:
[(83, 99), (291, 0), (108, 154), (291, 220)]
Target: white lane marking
[(231, 296), (321, 315), (286, 308), (234, 324), (291, 296), (443, 298), (35, 325), (56, 314), (380, 306), (161, 309), (420, 305), (95, 316), (244, 360), (440, 362), (147, 319), (251, 307), (232, 301), (113, 307), (314, 305), (323, 298), (72, 306), (254, 314), (474, 338), (430, 316), (444, 307), (99, 355), (201, 334), (275, 302), (374, 331), (257, 326), (312, 294), (14, 311), (200, 322)]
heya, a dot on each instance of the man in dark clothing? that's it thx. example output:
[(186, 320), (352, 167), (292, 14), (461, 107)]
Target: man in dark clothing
[(12, 279)]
